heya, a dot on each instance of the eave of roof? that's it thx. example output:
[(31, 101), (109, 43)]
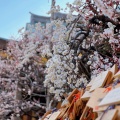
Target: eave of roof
[(39, 15), (4, 39)]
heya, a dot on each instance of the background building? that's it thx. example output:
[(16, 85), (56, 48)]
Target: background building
[(44, 19), (3, 43)]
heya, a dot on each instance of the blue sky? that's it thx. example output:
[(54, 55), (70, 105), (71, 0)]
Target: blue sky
[(14, 14)]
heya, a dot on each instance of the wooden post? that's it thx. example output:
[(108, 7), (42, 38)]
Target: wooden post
[(52, 5), (47, 99), (25, 117), (47, 91), (18, 97), (33, 114)]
